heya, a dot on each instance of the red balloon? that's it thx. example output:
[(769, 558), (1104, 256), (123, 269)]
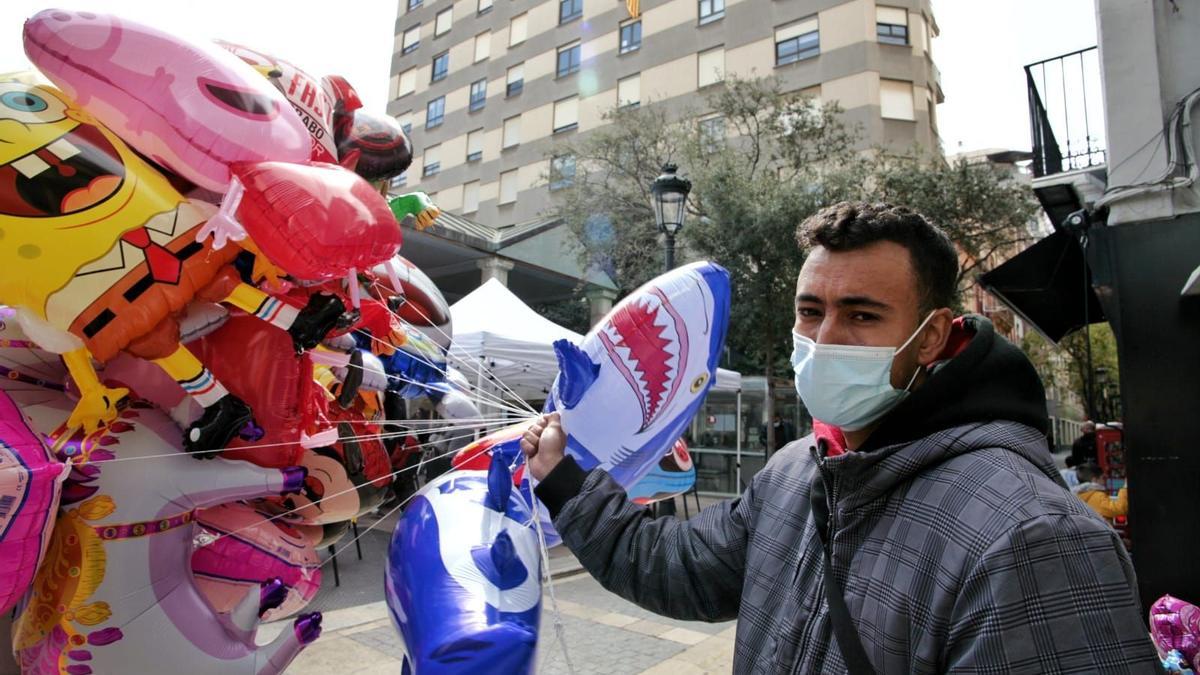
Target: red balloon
[(257, 363), (315, 221)]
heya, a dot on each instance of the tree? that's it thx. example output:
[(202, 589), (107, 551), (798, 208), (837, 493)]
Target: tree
[(761, 160), (1064, 366)]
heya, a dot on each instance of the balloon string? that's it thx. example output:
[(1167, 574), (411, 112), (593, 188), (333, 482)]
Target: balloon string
[(450, 339), (393, 474), (496, 401), (381, 436), (559, 629)]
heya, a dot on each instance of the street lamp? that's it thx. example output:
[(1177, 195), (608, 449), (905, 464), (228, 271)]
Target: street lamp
[(670, 206)]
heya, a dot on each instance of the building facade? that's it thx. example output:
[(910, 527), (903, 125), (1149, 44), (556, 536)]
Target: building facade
[(489, 86)]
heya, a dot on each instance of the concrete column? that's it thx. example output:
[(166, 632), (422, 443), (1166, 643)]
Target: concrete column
[(600, 302), (494, 268)]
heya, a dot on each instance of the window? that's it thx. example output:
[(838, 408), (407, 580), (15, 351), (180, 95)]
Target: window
[(475, 145), (508, 187), (408, 82), (515, 80), (569, 10), (629, 91), (566, 114), (512, 132), (413, 4), (485, 6), (478, 94), (405, 120), (711, 10), (562, 172), (516, 30), (412, 40), (711, 67), (631, 36), (432, 163), (483, 46), (434, 112), (441, 25), (712, 133), (896, 99), (891, 25), (797, 41), (471, 197), (568, 59), (441, 66), (397, 182)]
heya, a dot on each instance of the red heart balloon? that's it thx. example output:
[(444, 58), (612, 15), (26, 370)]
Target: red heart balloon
[(315, 221)]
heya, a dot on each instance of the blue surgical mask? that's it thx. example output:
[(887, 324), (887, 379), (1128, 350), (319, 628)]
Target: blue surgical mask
[(848, 386)]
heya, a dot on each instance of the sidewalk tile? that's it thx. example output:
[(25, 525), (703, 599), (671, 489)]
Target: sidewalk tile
[(331, 654), (645, 627), (615, 619), (685, 636)]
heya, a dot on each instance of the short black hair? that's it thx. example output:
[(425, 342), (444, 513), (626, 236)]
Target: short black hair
[(1088, 471), (847, 226)]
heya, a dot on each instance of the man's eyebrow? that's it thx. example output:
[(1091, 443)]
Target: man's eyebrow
[(808, 297), (862, 301)]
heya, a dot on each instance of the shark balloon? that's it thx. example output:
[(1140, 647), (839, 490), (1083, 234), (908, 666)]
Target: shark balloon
[(463, 580)]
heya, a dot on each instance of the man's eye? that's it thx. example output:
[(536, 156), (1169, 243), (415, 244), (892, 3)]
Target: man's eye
[(863, 316), (808, 312)]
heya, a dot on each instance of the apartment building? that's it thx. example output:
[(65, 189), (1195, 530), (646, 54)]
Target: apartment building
[(488, 86)]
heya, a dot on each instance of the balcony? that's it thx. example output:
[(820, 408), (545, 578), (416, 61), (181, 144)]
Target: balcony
[(1066, 113)]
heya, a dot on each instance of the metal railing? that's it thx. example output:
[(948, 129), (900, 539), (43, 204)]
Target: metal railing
[(1066, 112)]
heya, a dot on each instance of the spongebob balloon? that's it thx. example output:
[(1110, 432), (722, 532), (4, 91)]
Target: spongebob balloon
[(99, 254)]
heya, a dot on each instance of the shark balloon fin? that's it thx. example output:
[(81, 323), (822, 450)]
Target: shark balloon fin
[(499, 482), (500, 563), (576, 373)]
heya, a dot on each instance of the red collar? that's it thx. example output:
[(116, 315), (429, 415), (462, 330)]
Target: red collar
[(833, 438)]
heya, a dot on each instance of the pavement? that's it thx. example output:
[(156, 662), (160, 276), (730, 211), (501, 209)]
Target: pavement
[(602, 633)]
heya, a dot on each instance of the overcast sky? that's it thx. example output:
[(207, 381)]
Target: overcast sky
[(981, 50)]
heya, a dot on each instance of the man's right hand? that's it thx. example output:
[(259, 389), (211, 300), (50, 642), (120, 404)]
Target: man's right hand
[(544, 445)]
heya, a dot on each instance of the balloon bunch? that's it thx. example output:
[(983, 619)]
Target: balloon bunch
[(199, 264), (1175, 629)]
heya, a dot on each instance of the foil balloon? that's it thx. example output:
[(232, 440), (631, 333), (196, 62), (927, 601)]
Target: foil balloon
[(628, 392), (115, 594), (373, 146), (463, 576), (424, 306), (195, 110), (309, 98), (674, 475), (344, 480), (30, 485), (241, 550), (316, 221), (1175, 625)]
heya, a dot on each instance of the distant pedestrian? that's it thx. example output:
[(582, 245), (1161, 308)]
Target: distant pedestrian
[(1069, 476), (784, 433), (1092, 491), (1084, 448)]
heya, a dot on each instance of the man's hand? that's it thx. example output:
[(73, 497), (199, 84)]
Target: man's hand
[(544, 445)]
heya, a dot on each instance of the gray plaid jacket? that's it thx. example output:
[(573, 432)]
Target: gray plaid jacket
[(960, 552)]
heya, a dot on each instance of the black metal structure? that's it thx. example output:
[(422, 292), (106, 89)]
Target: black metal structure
[(1066, 119)]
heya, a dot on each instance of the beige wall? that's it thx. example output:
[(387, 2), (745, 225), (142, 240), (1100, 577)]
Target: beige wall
[(847, 24)]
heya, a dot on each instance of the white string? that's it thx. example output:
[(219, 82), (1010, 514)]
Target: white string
[(559, 629), (450, 339)]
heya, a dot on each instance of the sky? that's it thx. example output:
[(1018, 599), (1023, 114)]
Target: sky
[(981, 50)]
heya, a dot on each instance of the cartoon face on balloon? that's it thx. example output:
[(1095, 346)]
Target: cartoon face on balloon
[(63, 180), (344, 481)]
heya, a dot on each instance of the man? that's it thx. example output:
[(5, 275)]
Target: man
[(1084, 448), (1092, 491), (784, 434), (952, 544)]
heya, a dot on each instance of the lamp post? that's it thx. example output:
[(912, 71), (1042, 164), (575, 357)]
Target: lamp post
[(670, 206)]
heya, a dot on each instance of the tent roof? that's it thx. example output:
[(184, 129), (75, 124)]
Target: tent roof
[(494, 327)]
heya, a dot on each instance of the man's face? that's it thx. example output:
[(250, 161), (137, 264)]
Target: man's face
[(868, 297)]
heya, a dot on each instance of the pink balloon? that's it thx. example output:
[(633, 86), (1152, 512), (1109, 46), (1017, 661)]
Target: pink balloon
[(30, 487), (192, 109), (1175, 624), (253, 551)]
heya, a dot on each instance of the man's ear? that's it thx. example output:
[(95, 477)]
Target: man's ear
[(934, 337)]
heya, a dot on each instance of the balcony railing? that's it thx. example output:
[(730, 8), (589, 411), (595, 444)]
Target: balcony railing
[(1066, 112)]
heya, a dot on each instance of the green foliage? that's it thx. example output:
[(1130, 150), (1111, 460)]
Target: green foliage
[(1064, 366), (781, 159), (572, 313)]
